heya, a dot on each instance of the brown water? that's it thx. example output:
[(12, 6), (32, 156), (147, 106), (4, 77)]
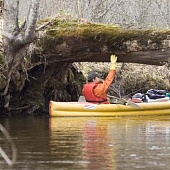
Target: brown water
[(125, 143)]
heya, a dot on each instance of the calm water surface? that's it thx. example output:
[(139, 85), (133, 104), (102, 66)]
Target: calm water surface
[(121, 143)]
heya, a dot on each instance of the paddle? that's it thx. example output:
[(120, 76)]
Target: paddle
[(120, 101), (125, 102)]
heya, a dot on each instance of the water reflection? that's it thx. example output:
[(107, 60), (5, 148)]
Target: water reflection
[(110, 143), (97, 146), (84, 142)]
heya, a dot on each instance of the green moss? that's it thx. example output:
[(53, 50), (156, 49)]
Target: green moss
[(102, 32), (21, 22), (73, 27), (44, 20), (65, 23)]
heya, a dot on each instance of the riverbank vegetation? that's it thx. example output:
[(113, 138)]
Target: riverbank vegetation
[(133, 78)]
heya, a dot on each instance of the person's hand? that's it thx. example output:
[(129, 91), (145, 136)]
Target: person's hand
[(113, 60)]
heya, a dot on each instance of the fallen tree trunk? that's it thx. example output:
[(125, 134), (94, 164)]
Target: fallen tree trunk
[(74, 41)]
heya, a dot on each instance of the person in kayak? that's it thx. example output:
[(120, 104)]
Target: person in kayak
[(96, 88)]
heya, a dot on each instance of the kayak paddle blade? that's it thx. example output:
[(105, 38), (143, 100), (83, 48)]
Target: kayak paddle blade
[(129, 103)]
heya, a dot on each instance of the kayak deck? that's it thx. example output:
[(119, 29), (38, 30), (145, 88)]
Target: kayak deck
[(89, 109)]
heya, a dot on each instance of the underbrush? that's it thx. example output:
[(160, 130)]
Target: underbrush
[(132, 78)]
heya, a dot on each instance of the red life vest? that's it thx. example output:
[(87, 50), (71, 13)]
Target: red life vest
[(89, 95)]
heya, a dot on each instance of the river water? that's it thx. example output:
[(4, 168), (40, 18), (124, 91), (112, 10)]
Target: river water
[(92, 143)]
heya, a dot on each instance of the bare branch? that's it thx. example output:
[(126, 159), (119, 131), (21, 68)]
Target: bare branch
[(31, 20), (13, 147), (11, 8), (8, 36)]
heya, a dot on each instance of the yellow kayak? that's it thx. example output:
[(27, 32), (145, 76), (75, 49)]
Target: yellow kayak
[(88, 109)]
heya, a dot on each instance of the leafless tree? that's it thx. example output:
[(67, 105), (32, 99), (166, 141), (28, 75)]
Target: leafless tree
[(137, 13), (16, 38)]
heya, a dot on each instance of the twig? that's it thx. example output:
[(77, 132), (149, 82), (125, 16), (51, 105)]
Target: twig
[(5, 156), (44, 25), (9, 161)]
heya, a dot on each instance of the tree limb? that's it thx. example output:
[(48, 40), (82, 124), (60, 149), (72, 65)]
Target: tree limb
[(31, 21), (11, 8)]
